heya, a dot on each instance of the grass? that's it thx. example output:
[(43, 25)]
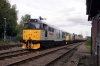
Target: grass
[(6, 42), (88, 47), (2, 42), (88, 44)]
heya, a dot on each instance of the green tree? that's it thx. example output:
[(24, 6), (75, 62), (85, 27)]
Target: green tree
[(12, 23), (25, 18), (80, 35), (10, 13), (20, 26), (75, 34), (88, 42)]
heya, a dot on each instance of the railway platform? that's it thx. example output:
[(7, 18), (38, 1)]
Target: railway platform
[(86, 59), (82, 57)]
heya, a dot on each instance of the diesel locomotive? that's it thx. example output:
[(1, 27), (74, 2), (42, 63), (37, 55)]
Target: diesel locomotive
[(37, 34)]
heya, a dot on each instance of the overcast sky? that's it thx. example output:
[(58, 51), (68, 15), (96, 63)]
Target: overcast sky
[(69, 15)]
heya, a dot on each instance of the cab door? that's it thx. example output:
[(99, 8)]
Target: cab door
[(44, 35)]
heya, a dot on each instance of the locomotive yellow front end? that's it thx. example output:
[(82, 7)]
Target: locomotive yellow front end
[(31, 35), (31, 39)]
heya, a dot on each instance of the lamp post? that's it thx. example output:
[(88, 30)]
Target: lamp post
[(5, 30)]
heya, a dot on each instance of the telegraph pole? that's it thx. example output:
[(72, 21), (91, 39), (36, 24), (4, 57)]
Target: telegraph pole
[(5, 30)]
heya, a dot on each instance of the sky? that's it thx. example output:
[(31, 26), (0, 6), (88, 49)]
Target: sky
[(68, 15)]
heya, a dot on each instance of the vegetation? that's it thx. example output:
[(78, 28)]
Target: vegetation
[(88, 44), (80, 35), (25, 18), (3, 43), (10, 13), (21, 25)]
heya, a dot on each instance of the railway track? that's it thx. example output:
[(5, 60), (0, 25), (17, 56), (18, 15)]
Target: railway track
[(6, 47), (52, 54), (50, 58), (13, 54), (10, 56)]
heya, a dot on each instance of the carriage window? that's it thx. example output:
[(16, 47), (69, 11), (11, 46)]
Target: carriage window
[(52, 29), (49, 29), (57, 33), (63, 35)]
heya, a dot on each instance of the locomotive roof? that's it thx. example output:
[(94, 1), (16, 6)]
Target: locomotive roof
[(53, 26), (41, 21)]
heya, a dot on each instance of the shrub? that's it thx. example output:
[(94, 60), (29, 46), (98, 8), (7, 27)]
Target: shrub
[(2, 42), (18, 38), (88, 42)]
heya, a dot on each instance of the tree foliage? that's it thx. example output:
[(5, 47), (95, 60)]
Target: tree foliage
[(80, 35), (20, 26), (88, 42), (10, 13), (74, 34), (25, 18)]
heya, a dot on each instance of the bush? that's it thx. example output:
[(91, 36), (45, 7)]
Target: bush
[(18, 38), (88, 42), (2, 42)]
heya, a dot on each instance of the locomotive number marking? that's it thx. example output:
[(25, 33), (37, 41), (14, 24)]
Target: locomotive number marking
[(50, 33)]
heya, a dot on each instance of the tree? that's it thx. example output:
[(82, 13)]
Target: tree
[(88, 42), (12, 25), (10, 13), (21, 25), (25, 18), (74, 34), (80, 35)]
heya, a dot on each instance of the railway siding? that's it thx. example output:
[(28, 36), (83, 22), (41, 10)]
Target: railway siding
[(6, 47), (33, 56), (22, 59), (68, 55)]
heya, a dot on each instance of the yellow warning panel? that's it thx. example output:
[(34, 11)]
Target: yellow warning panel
[(24, 46), (35, 46), (31, 34)]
